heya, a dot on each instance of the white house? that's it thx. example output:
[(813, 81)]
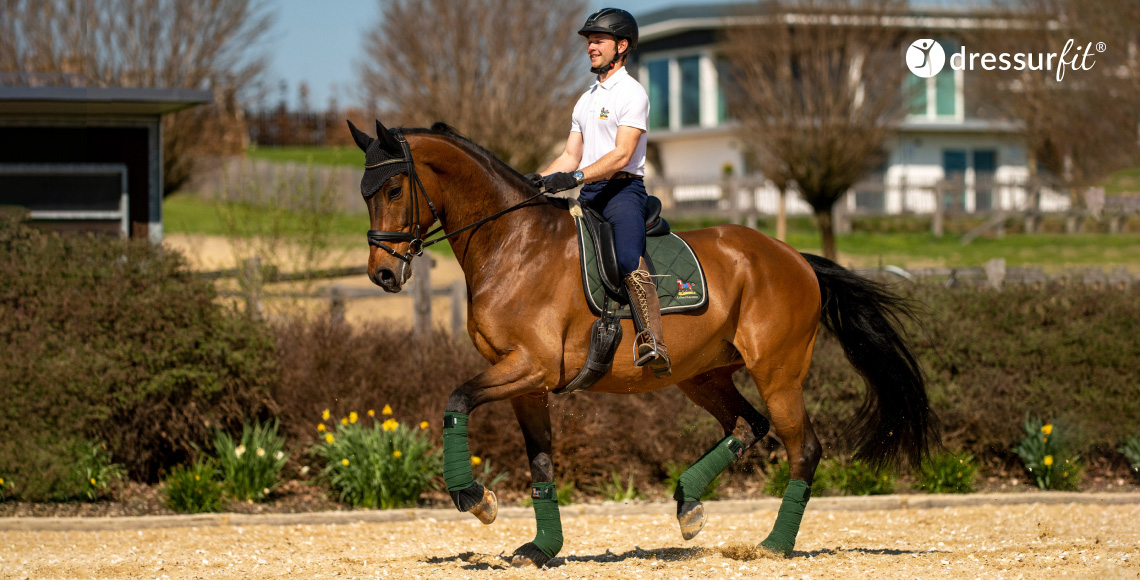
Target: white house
[(693, 142)]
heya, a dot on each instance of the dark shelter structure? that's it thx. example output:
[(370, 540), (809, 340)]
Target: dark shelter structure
[(87, 159)]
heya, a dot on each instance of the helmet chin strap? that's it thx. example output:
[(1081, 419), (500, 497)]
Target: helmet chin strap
[(605, 68)]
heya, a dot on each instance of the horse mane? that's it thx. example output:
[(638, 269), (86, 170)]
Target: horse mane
[(444, 130)]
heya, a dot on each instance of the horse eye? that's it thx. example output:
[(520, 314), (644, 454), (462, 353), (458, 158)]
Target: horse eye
[(393, 193)]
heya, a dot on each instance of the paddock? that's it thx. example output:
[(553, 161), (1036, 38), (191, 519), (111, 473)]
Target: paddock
[(841, 538)]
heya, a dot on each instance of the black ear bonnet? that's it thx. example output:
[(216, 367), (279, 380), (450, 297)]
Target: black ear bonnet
[(384, 158)]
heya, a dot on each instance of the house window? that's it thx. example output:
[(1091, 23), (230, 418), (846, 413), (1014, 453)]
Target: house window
[(985, 165), (658, 94), (690, 68), (937, 97)]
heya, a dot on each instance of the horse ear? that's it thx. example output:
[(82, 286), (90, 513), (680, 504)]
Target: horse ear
[(362, 139), (387, 141)]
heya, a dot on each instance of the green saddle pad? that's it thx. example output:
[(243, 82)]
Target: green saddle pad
[(679, 276)]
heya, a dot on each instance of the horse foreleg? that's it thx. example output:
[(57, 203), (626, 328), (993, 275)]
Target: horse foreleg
[(533, 413), (509, 378), (743, 426)]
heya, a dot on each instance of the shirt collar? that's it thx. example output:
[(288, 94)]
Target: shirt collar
[(613, 80)]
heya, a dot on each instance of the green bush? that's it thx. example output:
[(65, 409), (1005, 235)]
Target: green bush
[(194, 488), (854, 477), (947, 473), (251, 468), (385, 466), (1131, 450), (778, 478), (1046, 456), (486, 475), (115, 341), (63, 470), (5, 485), (615, 490)]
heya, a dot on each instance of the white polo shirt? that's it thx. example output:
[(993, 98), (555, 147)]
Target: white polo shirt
[(621, 100)]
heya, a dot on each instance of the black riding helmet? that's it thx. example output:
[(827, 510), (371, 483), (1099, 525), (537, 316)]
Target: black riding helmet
[(616, 22)]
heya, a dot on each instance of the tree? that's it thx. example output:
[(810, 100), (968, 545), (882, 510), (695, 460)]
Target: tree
[(146, 43), (505, 73), (1081, 128), (818, 90)]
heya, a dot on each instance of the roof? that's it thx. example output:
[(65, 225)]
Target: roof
[(931, 14), (98, 102)]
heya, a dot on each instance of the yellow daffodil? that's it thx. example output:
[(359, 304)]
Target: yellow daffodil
[(239, 451), (93, 481), (321, 427), (387, 410), (344, 462), (1, 481), (325, 414), (390, 425), (1047, 428), (352, 417), (260, 452), (475, 460), (1048, 460), (423, 424), (329, 438), (344, 420), (396, 454), (372, 412), (197, 478)]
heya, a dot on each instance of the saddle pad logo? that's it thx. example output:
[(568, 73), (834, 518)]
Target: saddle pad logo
[(604, 114), (685, 288)]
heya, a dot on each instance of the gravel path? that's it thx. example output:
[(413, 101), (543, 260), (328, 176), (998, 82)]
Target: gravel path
[(970, 541)]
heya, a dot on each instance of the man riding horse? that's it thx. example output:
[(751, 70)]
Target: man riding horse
[(606, 152)]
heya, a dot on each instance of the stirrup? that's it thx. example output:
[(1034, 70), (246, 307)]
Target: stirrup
[(657, 361)]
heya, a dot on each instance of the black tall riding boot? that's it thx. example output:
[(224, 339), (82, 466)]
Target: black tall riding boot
[(648, 345)]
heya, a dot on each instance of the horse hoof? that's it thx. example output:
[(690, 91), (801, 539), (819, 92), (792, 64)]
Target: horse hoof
[(691, 516), (529, 554), (487, 508)]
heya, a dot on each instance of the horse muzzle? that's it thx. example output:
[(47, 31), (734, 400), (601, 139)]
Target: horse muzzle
[(391, 280)]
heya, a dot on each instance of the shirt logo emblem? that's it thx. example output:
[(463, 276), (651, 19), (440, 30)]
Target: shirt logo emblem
[(604, 114)]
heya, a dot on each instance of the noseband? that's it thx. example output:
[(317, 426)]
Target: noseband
[(417, 243)]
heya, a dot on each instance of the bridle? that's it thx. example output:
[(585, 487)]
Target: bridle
[(417, 243)]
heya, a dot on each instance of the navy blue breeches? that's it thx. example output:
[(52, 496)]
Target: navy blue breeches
[(622, 202)]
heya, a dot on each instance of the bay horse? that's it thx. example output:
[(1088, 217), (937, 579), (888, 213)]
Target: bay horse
[(528, 316)]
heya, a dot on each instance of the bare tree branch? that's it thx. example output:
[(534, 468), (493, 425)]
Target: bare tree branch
[(503, 72), (146, 43), (818, 90)]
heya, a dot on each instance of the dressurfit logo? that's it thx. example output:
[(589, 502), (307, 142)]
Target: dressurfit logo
[(926, 58)]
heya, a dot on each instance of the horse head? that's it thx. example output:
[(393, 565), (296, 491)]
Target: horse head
[(399, 211)]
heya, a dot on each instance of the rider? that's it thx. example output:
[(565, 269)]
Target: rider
[(606, 151)]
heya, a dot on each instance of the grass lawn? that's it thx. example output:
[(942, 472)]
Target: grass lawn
[(189, 214), (1123, 182), (349, 156)]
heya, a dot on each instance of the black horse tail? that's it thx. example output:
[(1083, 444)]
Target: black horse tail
[(865, 316)]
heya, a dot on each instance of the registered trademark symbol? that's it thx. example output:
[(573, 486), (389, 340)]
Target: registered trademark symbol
[(1101, 47)]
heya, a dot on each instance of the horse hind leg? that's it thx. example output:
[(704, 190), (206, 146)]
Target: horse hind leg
[(743, 426), (783, 395)]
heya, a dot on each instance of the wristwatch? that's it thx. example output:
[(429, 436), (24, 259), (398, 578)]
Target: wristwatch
[(579, 176)]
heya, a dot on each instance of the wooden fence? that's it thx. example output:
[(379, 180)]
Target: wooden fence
[(253, 277)]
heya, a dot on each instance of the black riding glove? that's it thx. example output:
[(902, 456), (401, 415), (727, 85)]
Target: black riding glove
[(534, 179), (556, 182)]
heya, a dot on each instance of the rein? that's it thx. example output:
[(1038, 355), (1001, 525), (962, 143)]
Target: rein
[(416, 243)]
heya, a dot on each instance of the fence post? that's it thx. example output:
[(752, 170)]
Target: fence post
[(336, 304), (936, 227), (995, 273), (458, 301), (421, 271), (252, 275)]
